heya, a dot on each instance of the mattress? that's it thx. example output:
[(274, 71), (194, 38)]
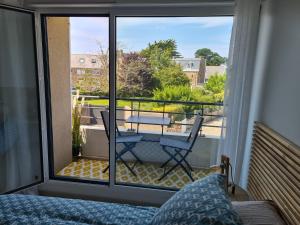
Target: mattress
[(258, 213)]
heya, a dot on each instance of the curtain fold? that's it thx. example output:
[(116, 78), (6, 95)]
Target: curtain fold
[(239, 83)]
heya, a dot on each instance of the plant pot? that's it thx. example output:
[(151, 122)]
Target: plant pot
[(76, 150)]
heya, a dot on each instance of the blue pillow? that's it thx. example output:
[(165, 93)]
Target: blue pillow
[(203, 202)]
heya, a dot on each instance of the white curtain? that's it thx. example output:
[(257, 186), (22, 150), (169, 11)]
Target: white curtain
[(239, 82)]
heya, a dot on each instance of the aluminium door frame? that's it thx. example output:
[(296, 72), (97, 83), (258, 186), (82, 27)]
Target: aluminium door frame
[(47, 90), (39, 94)]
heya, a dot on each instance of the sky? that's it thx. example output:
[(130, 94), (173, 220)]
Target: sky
[(135, 33)]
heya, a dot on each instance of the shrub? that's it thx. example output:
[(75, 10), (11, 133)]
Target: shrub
[(173, 108), (184, 94), (215, 87), (173, 93)]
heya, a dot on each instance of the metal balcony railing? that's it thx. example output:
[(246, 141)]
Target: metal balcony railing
[(208, 110)]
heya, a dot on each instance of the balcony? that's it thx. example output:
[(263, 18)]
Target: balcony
[(92, 161)]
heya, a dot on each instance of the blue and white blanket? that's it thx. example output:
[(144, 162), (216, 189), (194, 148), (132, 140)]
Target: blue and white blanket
[(27, 209)]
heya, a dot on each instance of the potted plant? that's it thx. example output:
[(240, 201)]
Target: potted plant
[(76, 132)]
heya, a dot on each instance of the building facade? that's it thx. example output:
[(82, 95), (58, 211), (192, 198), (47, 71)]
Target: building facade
[(85, 64), (197, 70), (194, 68)]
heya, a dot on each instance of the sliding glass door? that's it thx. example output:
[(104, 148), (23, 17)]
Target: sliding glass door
[(78, 81), (155, 74), (20, 135), (169, 70)]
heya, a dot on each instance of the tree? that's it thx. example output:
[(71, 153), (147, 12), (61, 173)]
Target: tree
[(97, 85), (168, 46), (93, 85), (172, 76), (159, 55), (215, 87), (134, 76), (212, 58)]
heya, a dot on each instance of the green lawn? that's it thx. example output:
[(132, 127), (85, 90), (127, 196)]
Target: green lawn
[(97, 101), (121, 103)]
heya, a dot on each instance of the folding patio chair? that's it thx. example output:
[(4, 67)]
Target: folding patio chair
[(128, 141), (178, 150)]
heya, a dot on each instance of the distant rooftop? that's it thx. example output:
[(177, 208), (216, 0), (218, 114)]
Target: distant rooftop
[(189, 64)]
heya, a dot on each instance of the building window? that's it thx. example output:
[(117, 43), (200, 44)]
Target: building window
[(81, 60), (94, 61)]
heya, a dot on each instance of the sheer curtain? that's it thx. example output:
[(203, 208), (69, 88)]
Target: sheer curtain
[(239, 83)]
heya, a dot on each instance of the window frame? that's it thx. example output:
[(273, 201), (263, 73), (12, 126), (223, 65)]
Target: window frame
[(125, 192), (47, 74), (39, 95)]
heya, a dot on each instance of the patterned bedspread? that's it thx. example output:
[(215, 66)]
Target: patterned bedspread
[(27, 209)]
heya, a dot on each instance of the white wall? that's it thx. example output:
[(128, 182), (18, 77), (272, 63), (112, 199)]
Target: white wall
[(281, 96), (59, 65), (275, 94)]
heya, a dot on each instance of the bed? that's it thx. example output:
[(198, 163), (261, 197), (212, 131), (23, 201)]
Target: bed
[(202, 199), (274, 172), (29, 209), (203, 202)]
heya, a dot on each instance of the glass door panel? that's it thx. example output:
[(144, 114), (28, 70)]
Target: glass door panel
[(79, 85), (169, 69), (20, 136)]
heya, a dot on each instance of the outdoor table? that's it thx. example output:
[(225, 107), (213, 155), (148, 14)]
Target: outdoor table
[(162, 121)]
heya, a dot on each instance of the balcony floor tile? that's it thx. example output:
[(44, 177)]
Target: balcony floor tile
[(147, 173)]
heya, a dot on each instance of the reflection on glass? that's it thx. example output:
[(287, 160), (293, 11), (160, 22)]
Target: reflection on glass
[(20, 143)]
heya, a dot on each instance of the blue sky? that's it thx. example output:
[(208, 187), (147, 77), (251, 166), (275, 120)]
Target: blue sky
[(134, 33)]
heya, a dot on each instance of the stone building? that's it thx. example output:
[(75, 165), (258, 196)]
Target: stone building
[(194, 68), (197, 70)]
